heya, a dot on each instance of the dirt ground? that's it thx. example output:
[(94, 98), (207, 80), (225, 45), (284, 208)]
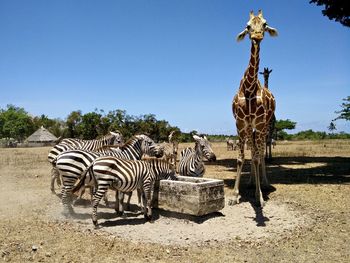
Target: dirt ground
[(306, 217)]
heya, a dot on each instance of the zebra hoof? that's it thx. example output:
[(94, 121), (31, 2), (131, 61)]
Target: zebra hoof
[(67, 213), (119, 213), (234, 201), (149, 218)]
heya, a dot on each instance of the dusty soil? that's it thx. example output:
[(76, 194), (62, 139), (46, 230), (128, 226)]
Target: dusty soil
[(306, 217)]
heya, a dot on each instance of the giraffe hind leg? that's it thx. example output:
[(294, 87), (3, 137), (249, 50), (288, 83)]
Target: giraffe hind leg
[(258, 194)]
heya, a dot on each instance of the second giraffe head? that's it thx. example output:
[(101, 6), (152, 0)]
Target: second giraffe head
[(256, 27)]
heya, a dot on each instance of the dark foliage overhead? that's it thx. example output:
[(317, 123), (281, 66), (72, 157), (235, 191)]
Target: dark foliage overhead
[(338, 10)]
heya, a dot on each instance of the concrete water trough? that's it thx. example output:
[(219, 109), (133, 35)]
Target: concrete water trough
[(190, 195)]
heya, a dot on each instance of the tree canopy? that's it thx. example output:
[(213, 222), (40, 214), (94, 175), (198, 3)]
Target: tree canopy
[(338, 10), (282, 125), (344, 113), (15, 123)]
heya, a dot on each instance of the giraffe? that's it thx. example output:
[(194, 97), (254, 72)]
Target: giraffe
[(253, 107), (271, 127)]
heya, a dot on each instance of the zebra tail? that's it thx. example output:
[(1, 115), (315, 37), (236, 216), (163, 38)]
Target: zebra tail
[(59, 140), (82, 179), (54, 161)]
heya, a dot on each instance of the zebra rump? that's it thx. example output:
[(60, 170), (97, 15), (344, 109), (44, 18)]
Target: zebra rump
[(126, 176), (113, 138)]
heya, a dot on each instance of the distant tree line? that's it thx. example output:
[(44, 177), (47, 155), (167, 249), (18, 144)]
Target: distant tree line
[(18, 124)]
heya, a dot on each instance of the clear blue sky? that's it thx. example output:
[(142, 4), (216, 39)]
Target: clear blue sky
[(177, 59)]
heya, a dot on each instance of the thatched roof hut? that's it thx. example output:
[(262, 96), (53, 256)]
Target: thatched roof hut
[(41, 137)]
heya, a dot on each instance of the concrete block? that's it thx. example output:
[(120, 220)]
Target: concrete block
[(190, 195)]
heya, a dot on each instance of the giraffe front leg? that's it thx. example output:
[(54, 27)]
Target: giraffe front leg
[(240, 162)]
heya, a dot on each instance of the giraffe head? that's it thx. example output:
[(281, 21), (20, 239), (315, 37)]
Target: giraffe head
[(266, 72), (256, 28)]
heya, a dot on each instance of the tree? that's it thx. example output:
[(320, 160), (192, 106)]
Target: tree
[(345, 111), (338, 10), (73, 121), (55, 126), (15, 123), (331, 127), (282, 125), (89, 125)]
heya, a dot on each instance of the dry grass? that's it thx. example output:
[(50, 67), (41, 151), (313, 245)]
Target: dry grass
[(313, 177)]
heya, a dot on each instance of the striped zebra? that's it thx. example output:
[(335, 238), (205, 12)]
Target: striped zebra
[(231, 144), (169, 151), (191, 160), (127, 176), (72, 164), (113, 138)]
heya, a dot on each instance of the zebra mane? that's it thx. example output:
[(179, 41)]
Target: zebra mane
[(130, 142), (107, 147)]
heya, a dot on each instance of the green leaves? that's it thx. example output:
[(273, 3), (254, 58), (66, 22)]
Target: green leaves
[(344, 113)]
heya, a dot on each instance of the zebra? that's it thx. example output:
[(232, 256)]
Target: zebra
[(169, 149), (231, 144), (126, 176), (72, 164), (191, 160), (113, 138)]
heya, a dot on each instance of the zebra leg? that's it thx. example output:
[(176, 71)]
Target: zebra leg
[(80, 196), (105, 199), (146, 198), (54, 176), (140, 203), (120, 210), (116, 205), (127, 205), (95, 201), (58, 179), (144, 201), (67, 200)]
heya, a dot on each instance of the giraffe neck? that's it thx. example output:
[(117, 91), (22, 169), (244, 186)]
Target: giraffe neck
[(250, 82), (266, 80)]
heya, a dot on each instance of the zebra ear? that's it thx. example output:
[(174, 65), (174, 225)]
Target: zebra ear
[(115, 133), (196, 137), (205, 137)]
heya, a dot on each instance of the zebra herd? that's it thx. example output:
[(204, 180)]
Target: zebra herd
[(109, 163)]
